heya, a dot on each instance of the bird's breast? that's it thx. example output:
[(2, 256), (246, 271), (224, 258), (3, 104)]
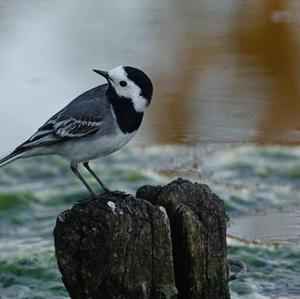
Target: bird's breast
[(95, 147)]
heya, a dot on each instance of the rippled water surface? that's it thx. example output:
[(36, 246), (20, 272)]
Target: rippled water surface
[(222, 70), (264, 229)]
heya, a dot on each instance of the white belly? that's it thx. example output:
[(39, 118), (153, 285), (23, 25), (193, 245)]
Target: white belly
[(92, 148)]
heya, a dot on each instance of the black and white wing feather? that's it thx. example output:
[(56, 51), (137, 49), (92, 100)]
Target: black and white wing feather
[(82, 117), (75, 128), (57, 130), (86, 115)]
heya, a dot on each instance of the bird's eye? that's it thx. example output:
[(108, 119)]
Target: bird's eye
[(123, 83)]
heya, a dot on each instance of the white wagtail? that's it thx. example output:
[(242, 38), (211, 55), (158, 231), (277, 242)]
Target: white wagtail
[(96, 123)]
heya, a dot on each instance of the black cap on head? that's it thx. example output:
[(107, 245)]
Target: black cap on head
[(141, 80)]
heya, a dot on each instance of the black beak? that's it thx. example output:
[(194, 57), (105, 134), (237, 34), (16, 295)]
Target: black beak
[(103, 74)]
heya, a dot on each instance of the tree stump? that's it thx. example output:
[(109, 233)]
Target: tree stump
[(198, 229), (168, 243)]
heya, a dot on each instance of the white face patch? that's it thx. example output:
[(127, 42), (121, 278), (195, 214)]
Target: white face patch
[(131, 90)]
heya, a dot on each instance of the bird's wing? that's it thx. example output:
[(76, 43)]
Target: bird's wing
[(82, 117), (54, 131), (74, 128)]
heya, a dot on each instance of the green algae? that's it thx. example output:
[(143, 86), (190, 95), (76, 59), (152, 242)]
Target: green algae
[(12, 200), (27, 263)]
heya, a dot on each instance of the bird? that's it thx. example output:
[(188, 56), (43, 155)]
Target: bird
[(97, 123)]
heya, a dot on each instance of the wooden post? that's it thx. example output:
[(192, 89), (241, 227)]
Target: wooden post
[(198, 227), (169, 244)]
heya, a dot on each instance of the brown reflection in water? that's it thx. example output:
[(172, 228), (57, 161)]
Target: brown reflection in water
[(190, 52), (262, 38), (266, 34), (177, 118)]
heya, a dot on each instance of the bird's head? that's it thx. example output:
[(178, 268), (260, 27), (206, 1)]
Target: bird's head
[(130, 83)]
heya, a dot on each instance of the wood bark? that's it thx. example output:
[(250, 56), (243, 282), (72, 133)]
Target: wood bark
[(166, 243), (198, 229)]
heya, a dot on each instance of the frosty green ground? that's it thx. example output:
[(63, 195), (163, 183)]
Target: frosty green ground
[(33, 192)]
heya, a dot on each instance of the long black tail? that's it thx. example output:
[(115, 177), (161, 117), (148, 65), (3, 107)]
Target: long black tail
[(17, 153)]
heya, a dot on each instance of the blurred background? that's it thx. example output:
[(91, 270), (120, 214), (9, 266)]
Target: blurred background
[(225, 112), (223, 71)]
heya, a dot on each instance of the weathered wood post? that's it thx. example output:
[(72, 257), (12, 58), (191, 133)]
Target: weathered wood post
[(198, 228), (170, 243)]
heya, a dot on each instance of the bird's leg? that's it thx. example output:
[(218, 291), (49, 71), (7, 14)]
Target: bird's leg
[(87, 166), (74, 168)]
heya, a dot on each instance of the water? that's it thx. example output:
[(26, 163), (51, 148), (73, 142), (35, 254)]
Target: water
[(223, 71), (264, 229), (225, 76)]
